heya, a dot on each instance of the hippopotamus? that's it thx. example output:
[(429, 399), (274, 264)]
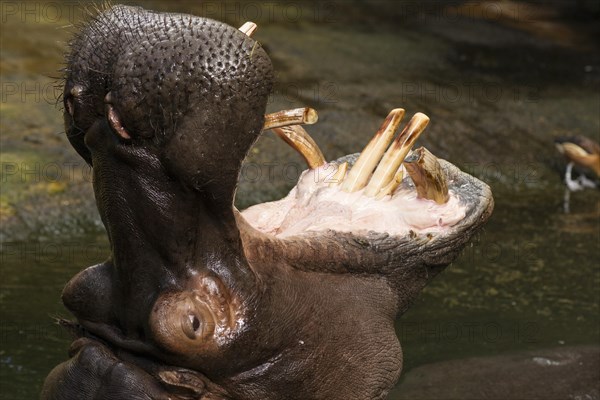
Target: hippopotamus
[(290, 299)]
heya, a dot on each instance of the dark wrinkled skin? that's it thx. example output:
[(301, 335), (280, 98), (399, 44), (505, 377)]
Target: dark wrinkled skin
[(193, 303)]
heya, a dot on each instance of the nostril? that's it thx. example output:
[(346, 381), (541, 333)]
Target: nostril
[(87, 295), (70, 107), (114, 119)]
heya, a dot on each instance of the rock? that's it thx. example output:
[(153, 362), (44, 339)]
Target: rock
[(558, 373)]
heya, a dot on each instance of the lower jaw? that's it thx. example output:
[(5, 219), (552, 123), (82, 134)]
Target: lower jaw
[(313, 205)]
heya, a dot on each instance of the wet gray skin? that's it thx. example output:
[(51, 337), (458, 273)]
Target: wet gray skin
[(193, 302)]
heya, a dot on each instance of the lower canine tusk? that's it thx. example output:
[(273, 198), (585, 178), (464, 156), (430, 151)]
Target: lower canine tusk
[(393, 158), (428, 176), (361, 171)]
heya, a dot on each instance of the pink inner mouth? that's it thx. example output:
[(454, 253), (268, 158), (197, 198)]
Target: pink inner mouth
[(313, 205)]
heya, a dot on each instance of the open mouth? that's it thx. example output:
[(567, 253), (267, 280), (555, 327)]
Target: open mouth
[(388, 187)]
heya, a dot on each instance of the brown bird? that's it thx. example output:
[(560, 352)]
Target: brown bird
[(584, 153)]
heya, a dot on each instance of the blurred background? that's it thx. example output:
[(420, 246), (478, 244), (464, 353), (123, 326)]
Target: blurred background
[(499, 81)]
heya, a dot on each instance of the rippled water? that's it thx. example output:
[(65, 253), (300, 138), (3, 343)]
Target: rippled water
[(496, 93), (528, 281)]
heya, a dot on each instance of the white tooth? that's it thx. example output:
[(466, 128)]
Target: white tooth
[(361, 171), (395, 155), (393, 185), (339, 175), (300, 140), (297, 116), (428, 176), (248, 28)]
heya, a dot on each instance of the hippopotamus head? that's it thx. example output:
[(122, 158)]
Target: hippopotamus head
[(290, 299)]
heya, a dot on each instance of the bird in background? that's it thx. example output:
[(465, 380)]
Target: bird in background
[(583, 154)]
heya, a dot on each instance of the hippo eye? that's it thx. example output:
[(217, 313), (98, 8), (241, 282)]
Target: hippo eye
[(190, 326), (114, 120)]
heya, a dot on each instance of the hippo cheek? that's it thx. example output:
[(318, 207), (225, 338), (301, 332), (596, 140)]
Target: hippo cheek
[(89, 294)]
